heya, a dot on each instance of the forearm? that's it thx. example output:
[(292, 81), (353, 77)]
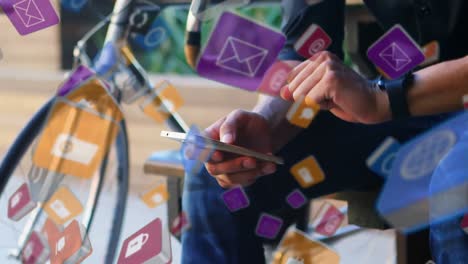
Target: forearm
[(274, 110), (439, 88)]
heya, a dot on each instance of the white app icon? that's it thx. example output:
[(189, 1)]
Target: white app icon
[(74, 149), (60, 245), (60, 209), (136, 244), (316, 46), (307, 113), (425, 156), (28, 250), (305, 175), (16, 199)]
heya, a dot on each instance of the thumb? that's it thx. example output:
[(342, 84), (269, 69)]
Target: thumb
[(228, 130)]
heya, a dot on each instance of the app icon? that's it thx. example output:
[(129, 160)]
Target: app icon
[(381, 160), (395, 52), (431, 53), (464, 224), (195, 151), (73, 5), (425, 157), (300, 114), (164, 100), (29, 16), (75, 140), (36, 250), (313, 40), (51, 232), (78, 76), (308, 172), (157, 34), (465, 101), (20, 203), (63, 206), (71, 246), (239, 57), (296, 199), (203, 12), (151, 244), (180, 224), (328, 220), (268, 226), (42, 183), (275, 78), (156, 196), (235, 199)]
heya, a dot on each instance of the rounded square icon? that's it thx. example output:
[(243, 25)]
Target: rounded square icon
[(268, 226), (63, 206), (313, 40), (239, 57), (29, 16), (296, 199), (275, 78), (157, 34), (301, 114), (156, 197), (328, 220), (20, 203), (395, 53), (308, 172), (35, 250), (195, 151), (235, 199)]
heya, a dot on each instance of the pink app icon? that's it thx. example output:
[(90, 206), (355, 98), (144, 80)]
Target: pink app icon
[(296, 199), (313, 40), (328, 220), (268, 226), (36, 250), (20, 203), (275, 78), (29, 16), (235, 199), (180, 224), (464, 224), (151, 244)]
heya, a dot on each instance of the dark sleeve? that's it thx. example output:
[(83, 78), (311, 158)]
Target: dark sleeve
[(298, 16)]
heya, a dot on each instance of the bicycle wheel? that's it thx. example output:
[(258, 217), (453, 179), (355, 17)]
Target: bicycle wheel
[(111, 179)]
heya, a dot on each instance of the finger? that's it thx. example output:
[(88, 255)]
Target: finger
[(286, 94), (310, 82), (307, 71), (230, 126), (213, 130), (301, 66), (232, 166)]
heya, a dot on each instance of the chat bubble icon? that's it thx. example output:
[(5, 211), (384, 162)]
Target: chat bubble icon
[(307, 113)]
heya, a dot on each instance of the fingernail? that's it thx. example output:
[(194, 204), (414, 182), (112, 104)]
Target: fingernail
[(227, 138), (248, 164), (269, 169)]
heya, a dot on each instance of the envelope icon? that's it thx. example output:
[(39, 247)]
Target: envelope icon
[(29, 13), (395, 57), (241, 57)]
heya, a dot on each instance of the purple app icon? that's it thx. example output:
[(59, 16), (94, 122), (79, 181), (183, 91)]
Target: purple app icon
[(239, 57), (29, 16), (296, 199), (268, 226), (395, 53), (78, 76), (235, 199)]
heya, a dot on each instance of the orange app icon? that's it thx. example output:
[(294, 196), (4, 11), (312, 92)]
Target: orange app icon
[(156, 196), (160, 107), (431, 52), (74, 141), (51, 231), (71, 246), (301, 114), (63, 206), (308, 172)]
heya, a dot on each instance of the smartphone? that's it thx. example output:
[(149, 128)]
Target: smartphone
[(221, 146)]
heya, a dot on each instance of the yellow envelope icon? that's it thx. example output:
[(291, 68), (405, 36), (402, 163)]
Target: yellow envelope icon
[(74, 141), (241, 57)]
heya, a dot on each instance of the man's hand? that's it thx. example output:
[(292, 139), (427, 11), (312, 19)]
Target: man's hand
[(245, 129), (326, 81)]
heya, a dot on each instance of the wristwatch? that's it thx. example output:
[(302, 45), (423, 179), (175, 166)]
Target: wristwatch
[(397, 91)]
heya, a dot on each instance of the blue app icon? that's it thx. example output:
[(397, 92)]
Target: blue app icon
[(73, 5), (381, 160), (429, 178), (157, 35)]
